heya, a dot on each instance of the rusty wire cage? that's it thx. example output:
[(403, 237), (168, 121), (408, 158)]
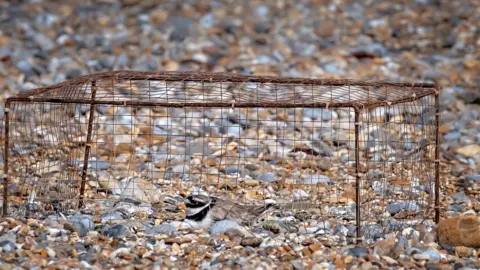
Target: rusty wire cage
[(362, 153)]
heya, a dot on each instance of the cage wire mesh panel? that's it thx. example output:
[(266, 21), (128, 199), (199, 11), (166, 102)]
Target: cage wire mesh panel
[(355, 153)]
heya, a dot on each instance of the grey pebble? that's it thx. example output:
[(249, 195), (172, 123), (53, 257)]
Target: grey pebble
[(319, 114), (106, 217), (83, 223), (374, 49), (222, 226), (396, 207), (267, 177), (25, 67), (357, 252), (116, 231), (297, 264), (165, 228), (316, 179), (430, 255), (7, 246), (473, 177)]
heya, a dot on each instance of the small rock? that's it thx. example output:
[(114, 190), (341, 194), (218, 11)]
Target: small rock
[(165, 228), (119, 251), (7, 246), (297, 264), (320, 114), (267, 177), (370, 51), (181, 169), (271, 242), (459, 231), (108, 217), (51, 253), (25, 67), (324, 164), (469, 150), (357, 252), (396, 207), (232, 169), (429, 255), (222, 226), (300, 194), (452, 136), (473, 177), (462, 251), (340, 230), (251, 242), (316, 179), (389, 261), (81, 223), (116, 231)]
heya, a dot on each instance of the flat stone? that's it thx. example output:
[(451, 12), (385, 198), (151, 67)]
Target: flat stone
[(320, 114), (267, 177), (116, 231), (316, 179), (357, 252), (82, 223), (251, 242), (165, 228), (107, 217), (396, 207), (473, 177), (469, 150), (222, 226)]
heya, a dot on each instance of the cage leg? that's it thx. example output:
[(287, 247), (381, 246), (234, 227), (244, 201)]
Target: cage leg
[(357, 174), (437, 157), (5, 159), (87, 146)]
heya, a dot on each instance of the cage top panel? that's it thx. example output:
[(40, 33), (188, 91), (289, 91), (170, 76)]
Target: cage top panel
[(225, 90)]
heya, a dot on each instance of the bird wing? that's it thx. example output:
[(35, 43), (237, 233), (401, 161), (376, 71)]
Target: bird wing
[(227, 209)]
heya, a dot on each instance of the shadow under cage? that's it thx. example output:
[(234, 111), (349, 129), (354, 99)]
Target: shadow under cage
[(362, 154)]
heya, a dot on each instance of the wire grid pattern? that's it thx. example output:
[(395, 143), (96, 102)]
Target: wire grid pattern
[(221, 89), (145, 135)]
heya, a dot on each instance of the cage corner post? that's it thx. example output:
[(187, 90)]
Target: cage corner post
[(87, 145), (437, 155), (357, 175), (5, 158)]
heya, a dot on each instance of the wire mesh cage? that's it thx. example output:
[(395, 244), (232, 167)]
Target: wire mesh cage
[(360, 153)]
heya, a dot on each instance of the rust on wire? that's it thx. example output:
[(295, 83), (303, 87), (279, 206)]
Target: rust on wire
[(5, 157), (313, 146), (437, 157), (87, 144), (357, 175)]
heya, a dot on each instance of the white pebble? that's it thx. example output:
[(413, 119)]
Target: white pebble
[(118, 251), (51, 253)]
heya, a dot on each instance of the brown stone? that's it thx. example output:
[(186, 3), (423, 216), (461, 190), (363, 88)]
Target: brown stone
[(41, 251), (460, 231), (306, 252), (26, 246), (251, 242), (123, 148), (440, 266), (462, 251), (9, 258), (315, 247), (69, 226), (339, 262), (468, 150)]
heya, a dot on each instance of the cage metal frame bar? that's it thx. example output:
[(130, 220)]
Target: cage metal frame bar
[(28, 97), (87, 145)]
